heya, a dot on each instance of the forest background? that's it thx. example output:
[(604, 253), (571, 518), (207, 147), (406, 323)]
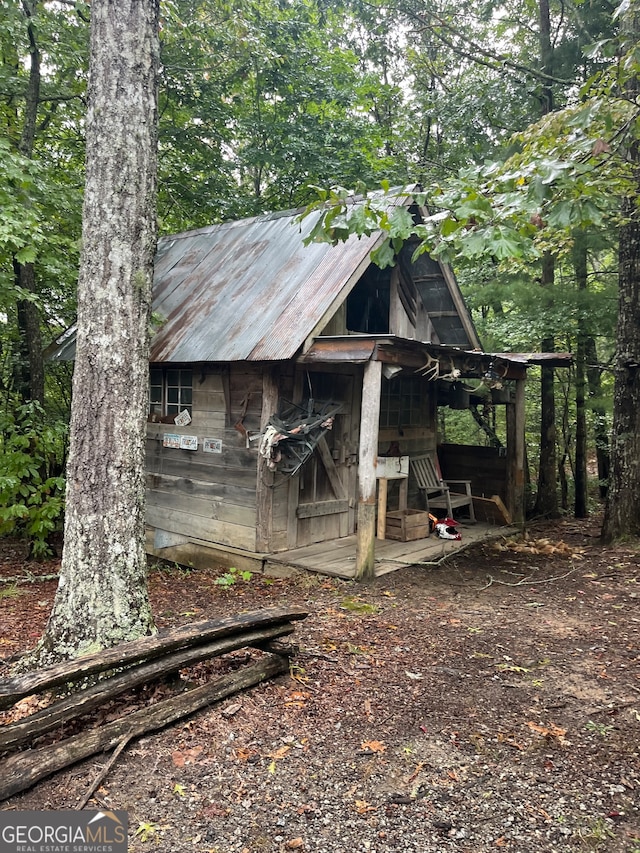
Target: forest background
[(518, 119)]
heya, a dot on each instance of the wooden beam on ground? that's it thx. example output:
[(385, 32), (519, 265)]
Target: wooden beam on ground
[(146, 649), (83, 701), (23, 770)]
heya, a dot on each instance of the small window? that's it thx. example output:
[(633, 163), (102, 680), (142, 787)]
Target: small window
[(402, 403), (170, 391)]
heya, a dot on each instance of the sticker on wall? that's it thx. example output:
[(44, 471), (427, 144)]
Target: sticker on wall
[(188, 442), (171, 440), (212, 445)]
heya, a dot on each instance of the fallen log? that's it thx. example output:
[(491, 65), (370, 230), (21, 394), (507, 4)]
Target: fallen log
[(83, 701), (24, 769), (147, 648)]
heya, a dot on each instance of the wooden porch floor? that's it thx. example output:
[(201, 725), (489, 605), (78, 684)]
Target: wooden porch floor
[(338, 557)]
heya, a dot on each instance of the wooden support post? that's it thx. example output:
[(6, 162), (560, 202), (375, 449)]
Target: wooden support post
[(383, 485), (515, 454), (367, 456), (519, 472), (264, 492)]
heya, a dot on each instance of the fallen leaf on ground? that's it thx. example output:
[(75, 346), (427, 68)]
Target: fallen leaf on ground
[(550, 731), (363, 807), (373, 746), (280, 752), (296, 699)]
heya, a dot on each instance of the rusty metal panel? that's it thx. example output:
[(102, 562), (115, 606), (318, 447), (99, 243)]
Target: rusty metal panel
[(247, 290), (352, 349)]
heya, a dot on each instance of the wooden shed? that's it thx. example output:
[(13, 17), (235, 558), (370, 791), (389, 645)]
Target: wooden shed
[(286, 380)]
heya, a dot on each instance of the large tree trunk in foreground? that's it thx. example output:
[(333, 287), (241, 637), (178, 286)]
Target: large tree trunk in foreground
[(102, 593)]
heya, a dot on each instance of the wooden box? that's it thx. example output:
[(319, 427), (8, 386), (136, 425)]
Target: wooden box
[(407, 524)]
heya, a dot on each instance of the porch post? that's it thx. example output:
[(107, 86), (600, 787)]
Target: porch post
[(516, 454), (264, 494), (367, 456), (520, 450)]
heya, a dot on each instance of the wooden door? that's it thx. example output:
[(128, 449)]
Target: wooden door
[(325, 495)]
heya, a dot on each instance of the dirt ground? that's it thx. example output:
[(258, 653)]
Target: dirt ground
[(493, 702)]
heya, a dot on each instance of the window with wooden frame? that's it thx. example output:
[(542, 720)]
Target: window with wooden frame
[(402, 402), (170, 391)]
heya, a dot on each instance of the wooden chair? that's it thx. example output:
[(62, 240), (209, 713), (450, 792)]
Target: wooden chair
[(436, 490)]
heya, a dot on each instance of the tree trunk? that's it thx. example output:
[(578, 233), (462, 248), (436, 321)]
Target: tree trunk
[(30, 381), (102, 596), (580, 475), (622, 512), (30, 373), (547, 495), (601, 423)]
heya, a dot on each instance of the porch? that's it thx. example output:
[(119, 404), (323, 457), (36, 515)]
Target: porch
[(337, 558)]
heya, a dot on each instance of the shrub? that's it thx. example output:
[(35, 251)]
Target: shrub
[(32, 455)]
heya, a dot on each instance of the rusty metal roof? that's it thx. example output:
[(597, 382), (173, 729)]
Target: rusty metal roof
[(251, 290), (248, 290)]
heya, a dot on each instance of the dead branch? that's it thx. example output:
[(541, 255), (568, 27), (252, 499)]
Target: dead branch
[(528, 580), (102, 775), (29, 578)]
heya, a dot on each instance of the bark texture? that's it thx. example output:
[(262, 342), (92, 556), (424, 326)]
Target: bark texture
[(102, 594), (30, 378), (622, 512), (547, 494), (580, 472)]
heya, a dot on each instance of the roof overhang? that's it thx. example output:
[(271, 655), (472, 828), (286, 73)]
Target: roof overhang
[(432, 360)]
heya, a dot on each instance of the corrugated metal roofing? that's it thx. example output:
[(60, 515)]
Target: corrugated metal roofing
[(252, 291), (248, 290)]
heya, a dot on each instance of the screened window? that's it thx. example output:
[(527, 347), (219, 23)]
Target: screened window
[(170, 391)]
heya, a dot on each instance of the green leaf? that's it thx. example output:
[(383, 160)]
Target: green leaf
[(384, 256)]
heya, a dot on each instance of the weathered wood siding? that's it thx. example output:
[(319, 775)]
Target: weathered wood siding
[(209, 496), (484, 466)]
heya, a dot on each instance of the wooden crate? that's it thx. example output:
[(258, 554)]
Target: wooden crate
[(407, 524)]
